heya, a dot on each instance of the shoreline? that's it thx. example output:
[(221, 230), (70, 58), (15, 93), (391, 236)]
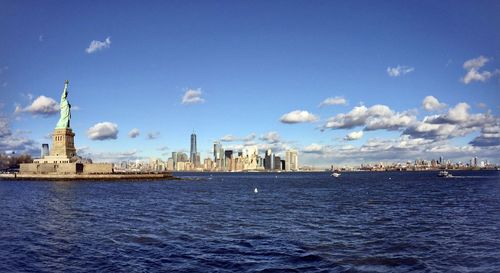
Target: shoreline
[(89, 177)]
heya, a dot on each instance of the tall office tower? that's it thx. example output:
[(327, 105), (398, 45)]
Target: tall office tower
[(291, 160), (174, 159), (219, 156), (45, 150), (192, 154), (269, 160), (217, 148)]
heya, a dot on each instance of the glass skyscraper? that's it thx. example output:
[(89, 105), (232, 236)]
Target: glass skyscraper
[(193, 153)]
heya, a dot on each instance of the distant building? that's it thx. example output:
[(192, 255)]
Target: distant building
[(174, 160), (208, 164), (277, 163), (219, 156), (44, 151), (182, 157), (269, 160), (170, 164), (193, 152), (291, 160)]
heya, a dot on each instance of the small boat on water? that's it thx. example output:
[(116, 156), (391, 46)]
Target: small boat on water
[(444, 174), (335, 174)]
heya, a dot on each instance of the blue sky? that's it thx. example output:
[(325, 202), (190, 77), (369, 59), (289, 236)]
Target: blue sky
[(248, 63)]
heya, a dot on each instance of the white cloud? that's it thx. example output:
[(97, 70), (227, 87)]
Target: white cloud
[(374, 118), (430, 103), (472, 67), (229, 138), (313, 149), (392, 122), (271, 137), (3, 69), (232, 138), (457, 114), (399, 70), (192, 96), (455, 123), (490, 136), (42, 105), (153, 135), (354, 136), (103, 131), (98, 45), (333, 101), (402, 149), (134, 133), (298, 116)]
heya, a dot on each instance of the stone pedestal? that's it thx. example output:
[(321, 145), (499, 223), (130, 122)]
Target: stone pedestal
[(63, 143), (63, 147)]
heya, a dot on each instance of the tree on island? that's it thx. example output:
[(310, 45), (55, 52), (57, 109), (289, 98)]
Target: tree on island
[(12, 161)]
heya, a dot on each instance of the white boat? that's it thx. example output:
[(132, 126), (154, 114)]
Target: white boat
[(335, 174), (444, 174)]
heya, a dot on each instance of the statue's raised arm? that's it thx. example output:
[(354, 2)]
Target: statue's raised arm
[(65, 109)]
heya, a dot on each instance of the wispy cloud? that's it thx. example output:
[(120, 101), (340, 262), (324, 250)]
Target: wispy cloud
[(98, 45), (16, 141), (271, 137), (298, 116), (192, 96), (233, 138), (472, 67), (162, 148), (153, 135), (103, 131), (333, 101), (399, 70)]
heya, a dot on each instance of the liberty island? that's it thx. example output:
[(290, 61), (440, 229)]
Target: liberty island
[(63, 163)]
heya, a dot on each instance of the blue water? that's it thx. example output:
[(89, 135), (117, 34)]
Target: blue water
[(300, 222)]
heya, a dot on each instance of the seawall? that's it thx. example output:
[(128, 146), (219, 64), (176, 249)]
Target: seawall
[(89, 177)]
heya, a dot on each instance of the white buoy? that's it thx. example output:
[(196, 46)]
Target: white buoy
[(255, 190)]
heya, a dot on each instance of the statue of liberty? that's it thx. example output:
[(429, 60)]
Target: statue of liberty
[(65, 109)]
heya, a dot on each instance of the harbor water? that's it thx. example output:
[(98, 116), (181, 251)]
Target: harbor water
[(255, 222)]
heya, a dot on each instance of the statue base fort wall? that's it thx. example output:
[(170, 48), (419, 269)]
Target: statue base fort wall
[(66, 168)]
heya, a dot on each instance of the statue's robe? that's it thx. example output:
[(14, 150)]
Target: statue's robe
[(65, 112)]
